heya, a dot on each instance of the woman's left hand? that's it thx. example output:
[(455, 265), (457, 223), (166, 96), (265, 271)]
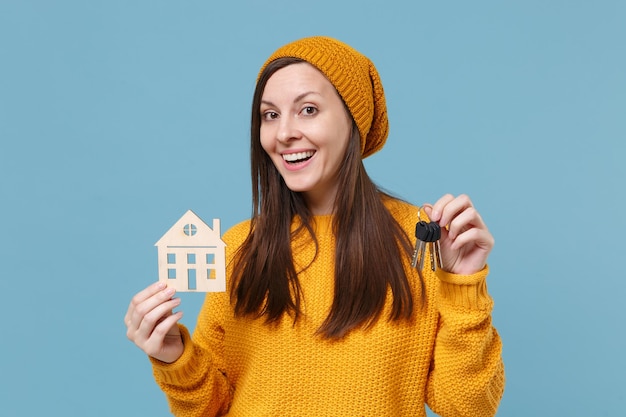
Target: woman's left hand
[(465, 240)]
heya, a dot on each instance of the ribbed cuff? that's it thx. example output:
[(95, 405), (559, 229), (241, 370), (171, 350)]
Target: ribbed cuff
[(185, 370), (468, 291)]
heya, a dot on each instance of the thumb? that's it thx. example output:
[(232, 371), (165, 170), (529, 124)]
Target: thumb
[(428, 209)]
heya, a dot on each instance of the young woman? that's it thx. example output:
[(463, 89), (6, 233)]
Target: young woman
[(324, 315)]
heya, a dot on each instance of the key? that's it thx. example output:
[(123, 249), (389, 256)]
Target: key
[(427, 237), (421, 235), (435, 247)]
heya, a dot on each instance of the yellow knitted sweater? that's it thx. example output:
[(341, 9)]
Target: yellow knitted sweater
[(448, 355)]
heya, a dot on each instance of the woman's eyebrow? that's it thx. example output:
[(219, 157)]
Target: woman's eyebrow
[(300, 97), (303, 95)]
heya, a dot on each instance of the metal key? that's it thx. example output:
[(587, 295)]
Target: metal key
[(427, 237)]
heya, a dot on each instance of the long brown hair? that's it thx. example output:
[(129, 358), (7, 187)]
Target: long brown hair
[(265, 282)]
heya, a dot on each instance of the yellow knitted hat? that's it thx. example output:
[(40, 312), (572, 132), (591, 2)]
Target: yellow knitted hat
[(356, 80)]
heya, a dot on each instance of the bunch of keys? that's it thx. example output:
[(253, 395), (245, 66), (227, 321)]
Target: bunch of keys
[(427, 234)]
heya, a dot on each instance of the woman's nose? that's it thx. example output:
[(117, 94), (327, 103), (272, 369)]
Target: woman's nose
[(288, 130)]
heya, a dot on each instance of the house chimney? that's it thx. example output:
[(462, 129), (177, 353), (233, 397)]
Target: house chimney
[(216, 227)]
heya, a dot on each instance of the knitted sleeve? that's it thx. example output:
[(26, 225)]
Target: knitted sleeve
[(467, 373), (193, 385)]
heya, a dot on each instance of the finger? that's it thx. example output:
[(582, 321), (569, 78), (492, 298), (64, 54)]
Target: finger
[(453, 207), (466, 219), (163, 330), (475, 237), (428, 209), (140, 297), (143, 308), (436, 210), (146, 326), (139, 312), (165, 327), (153, 318)]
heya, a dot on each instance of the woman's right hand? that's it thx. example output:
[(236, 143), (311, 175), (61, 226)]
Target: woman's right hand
[(152, 325)]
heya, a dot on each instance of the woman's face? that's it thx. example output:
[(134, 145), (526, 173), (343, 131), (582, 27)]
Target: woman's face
[(305, 129)]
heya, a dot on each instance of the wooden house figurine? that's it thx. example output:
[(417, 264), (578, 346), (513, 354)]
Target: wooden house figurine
[(192, 256)]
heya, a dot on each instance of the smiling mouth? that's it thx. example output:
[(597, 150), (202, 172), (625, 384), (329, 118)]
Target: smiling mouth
[(298, 157)]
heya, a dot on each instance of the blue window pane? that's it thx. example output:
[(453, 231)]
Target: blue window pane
[(171, 273), (191, 258), (210, 258)]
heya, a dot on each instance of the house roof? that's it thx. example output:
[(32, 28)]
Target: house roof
[(191, 231)]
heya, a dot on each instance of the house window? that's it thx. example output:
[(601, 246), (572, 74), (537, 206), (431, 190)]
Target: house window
[(191, 278), (191, 258), (210, 258), (190, 229), (171, 273), (210, 273), (171, 258)]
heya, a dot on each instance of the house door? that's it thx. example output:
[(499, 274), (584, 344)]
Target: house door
[(191, 279)]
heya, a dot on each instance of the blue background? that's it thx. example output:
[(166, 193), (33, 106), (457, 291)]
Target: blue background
[(116, 117)]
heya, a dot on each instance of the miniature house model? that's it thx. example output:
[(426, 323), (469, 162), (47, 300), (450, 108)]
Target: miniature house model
[(192, 256)]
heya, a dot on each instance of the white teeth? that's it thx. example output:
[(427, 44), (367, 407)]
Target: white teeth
[(292, 157)]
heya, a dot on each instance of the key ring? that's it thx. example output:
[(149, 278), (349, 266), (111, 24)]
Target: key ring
[(419, 209)]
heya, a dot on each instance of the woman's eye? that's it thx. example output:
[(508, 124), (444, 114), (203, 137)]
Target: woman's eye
[(309, 110), (270, 115)]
